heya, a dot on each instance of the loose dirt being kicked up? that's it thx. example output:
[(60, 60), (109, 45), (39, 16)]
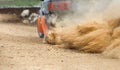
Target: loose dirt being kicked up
[(22, 49)]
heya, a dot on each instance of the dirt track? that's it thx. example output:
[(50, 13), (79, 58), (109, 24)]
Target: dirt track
[(21, 49)]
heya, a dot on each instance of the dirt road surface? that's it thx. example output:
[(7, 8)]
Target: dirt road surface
[(21, 49)]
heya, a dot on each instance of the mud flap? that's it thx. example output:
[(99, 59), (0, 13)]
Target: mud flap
[(42, 27)]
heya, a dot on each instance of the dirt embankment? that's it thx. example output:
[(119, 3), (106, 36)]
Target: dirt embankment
[(18, 10)]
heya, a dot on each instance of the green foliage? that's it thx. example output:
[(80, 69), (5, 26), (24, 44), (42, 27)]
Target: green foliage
[(19, 3)]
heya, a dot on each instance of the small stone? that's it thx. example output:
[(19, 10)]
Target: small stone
[(25, 21), (48, 49), (61, 60), (2, 46)]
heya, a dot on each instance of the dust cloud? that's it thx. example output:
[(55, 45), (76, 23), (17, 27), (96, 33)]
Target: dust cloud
[(93, 27)]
